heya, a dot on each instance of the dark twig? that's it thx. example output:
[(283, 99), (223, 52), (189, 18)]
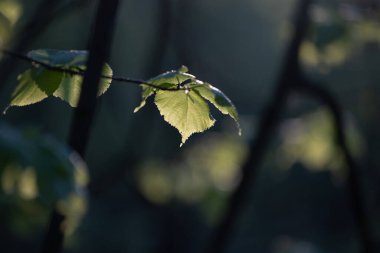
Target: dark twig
[(82, 73), (99, 48), (271, 114), (361, 219)]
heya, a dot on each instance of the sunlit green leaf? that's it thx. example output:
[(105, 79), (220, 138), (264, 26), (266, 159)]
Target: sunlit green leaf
[(184, 105), (70, 86), (170, 79), (185, 110), (218, 99), (39, 82), (27, 91)]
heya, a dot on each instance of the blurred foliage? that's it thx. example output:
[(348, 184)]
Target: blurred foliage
[(289, 245), (204, 175), (10, 11), (309, 140), (38, 173), (338, 29)]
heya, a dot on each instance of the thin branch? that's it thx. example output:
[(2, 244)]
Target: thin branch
[(82, 73), (365, 232)]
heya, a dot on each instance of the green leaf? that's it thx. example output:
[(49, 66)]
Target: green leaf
[(147, 91), (27, 91), (170, 79), (71, 85), (185, 107), (185, 110), (39, 82), (218, 99)]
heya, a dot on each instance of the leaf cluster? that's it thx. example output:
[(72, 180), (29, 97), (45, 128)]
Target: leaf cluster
[(185, 107), (180, 97), (39, 82)]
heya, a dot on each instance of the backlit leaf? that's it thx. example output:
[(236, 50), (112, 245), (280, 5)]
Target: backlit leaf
[(182, 101), (218, 99), (170, 79), (185, 110), (71, 85), (39, 82), (27, 91)]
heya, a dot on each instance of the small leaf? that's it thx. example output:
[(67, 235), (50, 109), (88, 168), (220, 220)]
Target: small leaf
[(27, 91), (185, 110), (147, 91), (218, 99), (183, 69), (170, 79)]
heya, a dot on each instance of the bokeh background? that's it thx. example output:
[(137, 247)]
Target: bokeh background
[(147, 195)]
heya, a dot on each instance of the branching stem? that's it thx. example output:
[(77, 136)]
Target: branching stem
[(81, 72)]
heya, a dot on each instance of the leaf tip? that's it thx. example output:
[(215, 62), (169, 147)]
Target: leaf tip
[(237, 123), (6, 109), (142, 104), (183, 69)]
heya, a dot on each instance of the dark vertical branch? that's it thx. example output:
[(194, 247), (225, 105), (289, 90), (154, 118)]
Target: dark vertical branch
[(353, 183), (99, 48), (271, 114), (141, 138)]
